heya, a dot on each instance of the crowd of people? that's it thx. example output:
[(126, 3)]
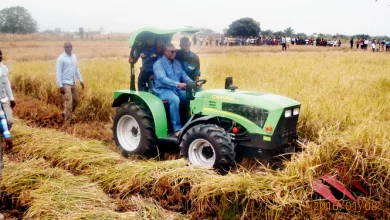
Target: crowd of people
[(375, 45), (285, 42)]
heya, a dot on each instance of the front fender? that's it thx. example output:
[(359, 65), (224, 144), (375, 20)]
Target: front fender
[(191, 122), (152, 102)]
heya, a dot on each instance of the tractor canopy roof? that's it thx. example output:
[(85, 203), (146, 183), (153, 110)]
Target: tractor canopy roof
[(164, 34)]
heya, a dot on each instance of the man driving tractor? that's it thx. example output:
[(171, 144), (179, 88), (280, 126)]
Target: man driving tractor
[(170, 83)]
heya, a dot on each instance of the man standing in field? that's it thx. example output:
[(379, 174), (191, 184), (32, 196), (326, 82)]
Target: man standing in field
[(189, 60), (6, 96), (284, 48), (170, 84), (8, 142), (351, 42), (66, 70)]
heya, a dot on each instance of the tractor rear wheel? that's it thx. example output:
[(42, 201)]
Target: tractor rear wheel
[(209, 146), (134, 130)]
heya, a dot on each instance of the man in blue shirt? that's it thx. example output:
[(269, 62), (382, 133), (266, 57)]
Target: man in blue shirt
[(189, 60), (170, 83), (149, 54), (66, 70)]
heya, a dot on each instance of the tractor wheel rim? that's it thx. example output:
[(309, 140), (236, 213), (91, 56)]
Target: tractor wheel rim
[(202, 153), (129, 134)]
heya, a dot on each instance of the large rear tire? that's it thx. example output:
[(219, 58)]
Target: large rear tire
[(209, 146), (134, 130)]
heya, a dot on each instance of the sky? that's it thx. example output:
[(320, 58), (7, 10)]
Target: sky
[(125, 16)]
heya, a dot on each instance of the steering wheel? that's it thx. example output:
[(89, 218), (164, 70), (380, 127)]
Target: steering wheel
[(201, 82)]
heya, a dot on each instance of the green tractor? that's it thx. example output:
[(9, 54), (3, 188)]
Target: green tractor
[(220, 126)]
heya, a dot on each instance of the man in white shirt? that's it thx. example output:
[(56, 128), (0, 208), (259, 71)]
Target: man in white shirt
[(6, 96), (284, 48), (66, 70)]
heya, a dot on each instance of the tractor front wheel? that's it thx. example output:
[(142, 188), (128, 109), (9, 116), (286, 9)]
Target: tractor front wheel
[(134, 130), (209, 146)]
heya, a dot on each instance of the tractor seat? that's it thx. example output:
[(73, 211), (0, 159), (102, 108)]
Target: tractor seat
[(150, 88)]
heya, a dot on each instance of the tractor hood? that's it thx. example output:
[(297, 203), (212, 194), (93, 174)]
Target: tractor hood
[(258, 99)]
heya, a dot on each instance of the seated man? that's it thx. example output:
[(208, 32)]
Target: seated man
[(170, 83)]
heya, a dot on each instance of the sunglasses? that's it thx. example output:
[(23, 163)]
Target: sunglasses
[(173, 51), (68, 47)]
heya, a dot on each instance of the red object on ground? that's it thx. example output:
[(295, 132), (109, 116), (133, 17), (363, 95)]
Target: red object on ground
[(324, 191), (329, 178)]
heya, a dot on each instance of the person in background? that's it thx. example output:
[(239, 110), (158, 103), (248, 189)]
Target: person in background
[(351, 42), (6, 95), (383, 43), (66, 70), (378, 46), (216, 40), (339, 43), (284, 48), (357, 44), (194, 40), (201, 40), (189, 60), (373, 46)]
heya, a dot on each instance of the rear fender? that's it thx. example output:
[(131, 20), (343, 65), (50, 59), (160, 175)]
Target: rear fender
[(152, 102)]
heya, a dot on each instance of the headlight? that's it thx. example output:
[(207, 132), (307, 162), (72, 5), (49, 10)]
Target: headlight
[(287, 113), (296, 111)]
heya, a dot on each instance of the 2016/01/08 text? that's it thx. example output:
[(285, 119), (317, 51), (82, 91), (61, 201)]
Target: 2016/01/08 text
[(346, 205)]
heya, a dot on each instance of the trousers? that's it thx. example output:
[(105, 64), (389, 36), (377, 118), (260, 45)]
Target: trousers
[(8, 113), (71, 100), (143, 80), (174, 99)]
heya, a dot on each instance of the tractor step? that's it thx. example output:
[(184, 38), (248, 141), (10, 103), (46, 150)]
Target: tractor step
[(171, 140)]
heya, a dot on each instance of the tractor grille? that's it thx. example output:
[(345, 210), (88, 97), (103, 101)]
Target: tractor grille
[(287, 126)]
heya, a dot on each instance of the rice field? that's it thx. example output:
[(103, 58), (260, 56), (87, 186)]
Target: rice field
[(345, 120)]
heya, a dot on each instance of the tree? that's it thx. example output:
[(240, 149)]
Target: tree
[(289, 31), (17, 20), (301, 35), (279, 34), (245, 27), (362, 36), (267, 32), (208, 31)]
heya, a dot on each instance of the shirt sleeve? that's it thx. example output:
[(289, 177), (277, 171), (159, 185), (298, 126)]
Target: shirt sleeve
[(4, 125), (78, 75), (197, 68), (159, 74), (184, 77), (59, 72)]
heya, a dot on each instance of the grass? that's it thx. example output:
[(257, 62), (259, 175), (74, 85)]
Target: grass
[(202, 193), (345, 117)]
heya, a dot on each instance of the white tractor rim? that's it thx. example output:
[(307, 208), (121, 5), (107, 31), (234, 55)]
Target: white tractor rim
[(128, 133), (202, 153)]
